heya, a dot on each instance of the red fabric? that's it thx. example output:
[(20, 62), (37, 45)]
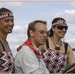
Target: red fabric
[(29, 44)]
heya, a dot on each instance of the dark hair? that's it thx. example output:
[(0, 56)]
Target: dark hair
[(50, 32), (31, 26), (4, 10)]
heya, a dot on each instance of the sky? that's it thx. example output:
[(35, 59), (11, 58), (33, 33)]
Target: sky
[(25, 12)]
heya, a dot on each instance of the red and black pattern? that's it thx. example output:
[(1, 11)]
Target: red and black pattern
[(54, 60), (6, 62)]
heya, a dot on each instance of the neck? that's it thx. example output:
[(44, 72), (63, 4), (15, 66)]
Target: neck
[(56, 40), (57, 45), (33, 42), (4, 36)]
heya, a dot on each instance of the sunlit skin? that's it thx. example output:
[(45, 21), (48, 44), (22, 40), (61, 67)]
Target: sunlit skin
[(59, 33), (6, 25), (57, 36), (38, 37)]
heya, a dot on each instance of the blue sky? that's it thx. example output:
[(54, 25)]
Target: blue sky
[(25, 12)]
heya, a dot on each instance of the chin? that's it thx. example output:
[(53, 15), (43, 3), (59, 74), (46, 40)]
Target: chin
[(42, 43), (62, 36)]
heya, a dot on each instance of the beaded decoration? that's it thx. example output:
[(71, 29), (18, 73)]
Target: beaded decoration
[(6, 15), (59, 23)]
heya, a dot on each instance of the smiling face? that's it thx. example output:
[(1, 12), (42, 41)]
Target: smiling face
[(60, 29), (6, 23)]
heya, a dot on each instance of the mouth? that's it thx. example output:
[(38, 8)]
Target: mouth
[(9, 29), (44, 40), (62, 33)]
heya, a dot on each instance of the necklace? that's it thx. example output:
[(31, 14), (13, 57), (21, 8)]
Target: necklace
[(56, 48)]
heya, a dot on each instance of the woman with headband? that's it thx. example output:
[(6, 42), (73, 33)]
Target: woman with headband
[(6, 26), (57, 53)]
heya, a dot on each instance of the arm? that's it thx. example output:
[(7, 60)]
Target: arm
[(42, 47), (1, 72), (46, 45), (71, 58)]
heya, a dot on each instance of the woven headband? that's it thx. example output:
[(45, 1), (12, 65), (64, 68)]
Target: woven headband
[(59, 23), (6, 15)]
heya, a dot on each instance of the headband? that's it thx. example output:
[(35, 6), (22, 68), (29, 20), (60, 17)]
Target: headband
[(6, 15), (59, 23)]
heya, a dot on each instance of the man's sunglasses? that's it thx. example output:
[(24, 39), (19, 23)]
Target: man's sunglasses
[(61, 27)]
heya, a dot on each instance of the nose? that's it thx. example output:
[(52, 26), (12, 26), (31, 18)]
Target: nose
[(45, 34), (64, 29)]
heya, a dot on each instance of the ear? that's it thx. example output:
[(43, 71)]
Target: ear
[(31, 33)]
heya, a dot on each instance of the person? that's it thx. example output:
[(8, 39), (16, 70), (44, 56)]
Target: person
[(28, 60), (6, 26), (56, 52)]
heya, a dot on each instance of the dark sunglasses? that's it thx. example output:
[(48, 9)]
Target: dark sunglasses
[(61, 27)]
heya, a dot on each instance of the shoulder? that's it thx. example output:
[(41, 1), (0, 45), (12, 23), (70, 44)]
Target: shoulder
[(69, 48), (25, 54), (1, 46), (42, 47), (24, 51)]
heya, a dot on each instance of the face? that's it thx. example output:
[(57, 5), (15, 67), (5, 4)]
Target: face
[(60, 29), (40, 34), (6, 24)]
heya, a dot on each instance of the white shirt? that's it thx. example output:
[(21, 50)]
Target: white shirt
[(27, 62)]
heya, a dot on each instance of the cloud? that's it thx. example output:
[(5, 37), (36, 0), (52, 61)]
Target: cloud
[(69, 15), (19, 28), (11, 5), (17, 37), (73, 5)]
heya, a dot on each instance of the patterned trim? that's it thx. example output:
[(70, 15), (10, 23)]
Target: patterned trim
[(59, 23), (6, 15), (6, 62), (54, 60)]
